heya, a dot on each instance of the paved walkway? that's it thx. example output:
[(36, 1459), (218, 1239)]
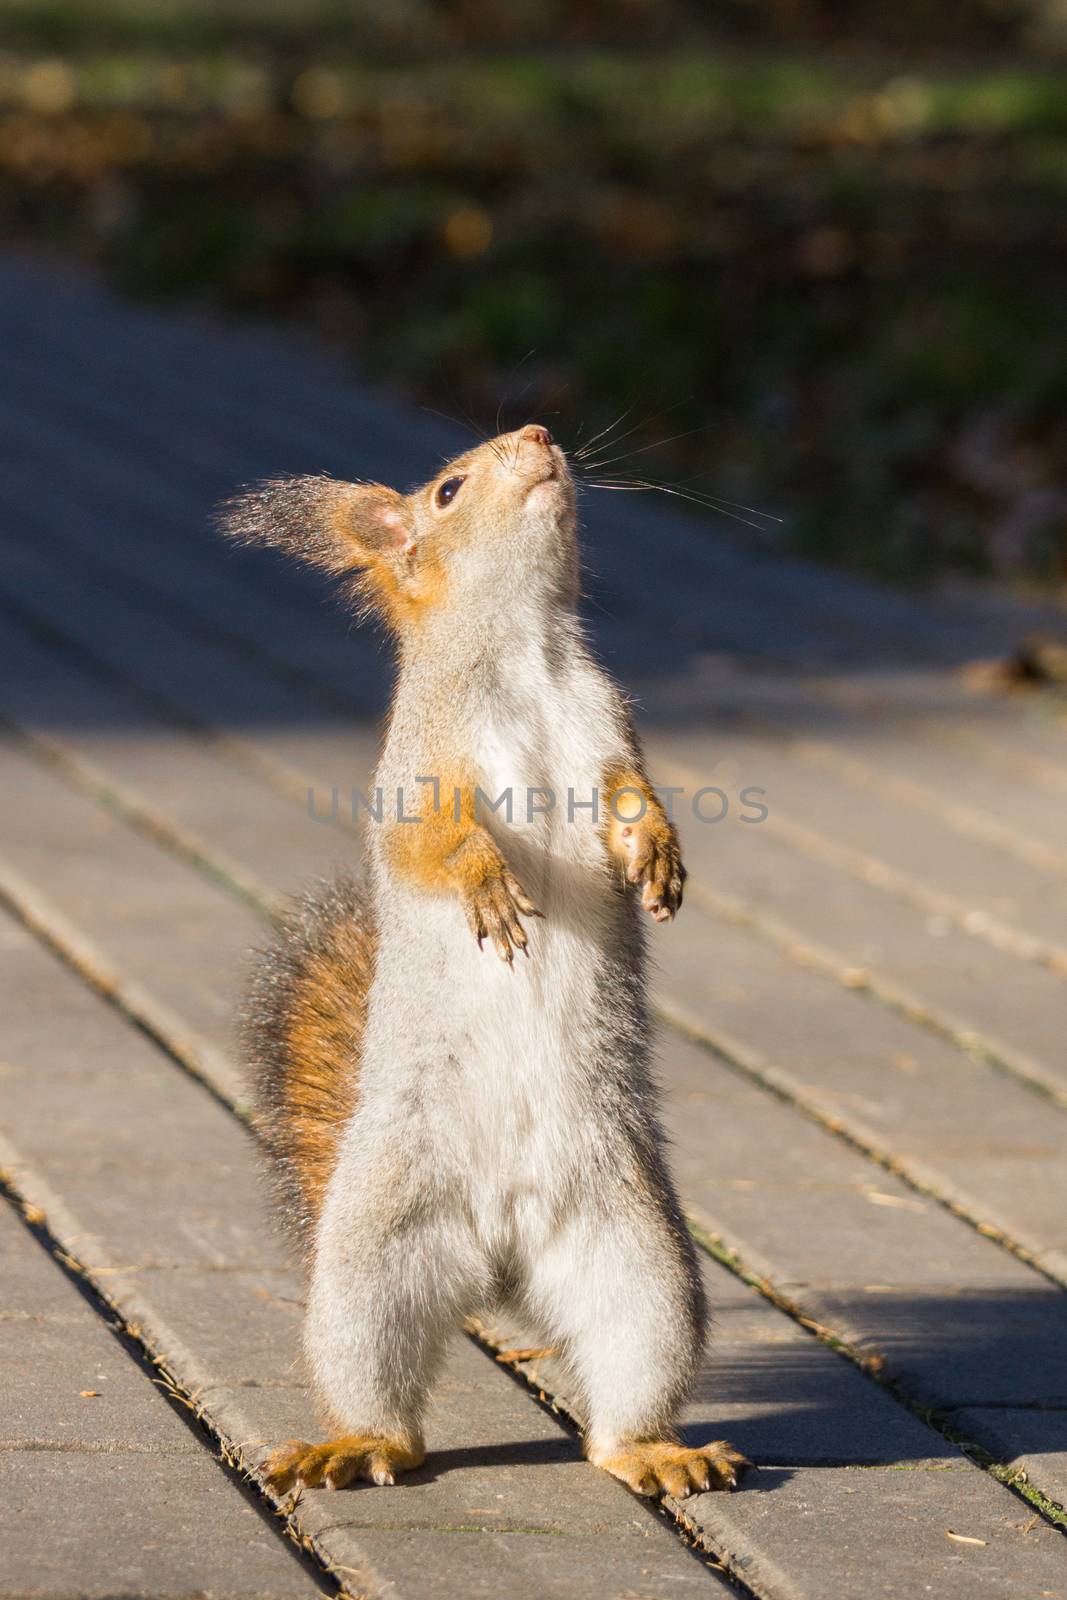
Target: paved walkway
[(863, 1010)]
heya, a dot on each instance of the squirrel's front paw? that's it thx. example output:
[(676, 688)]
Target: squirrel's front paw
[(338, 1462), (654, 860), (493, 907)]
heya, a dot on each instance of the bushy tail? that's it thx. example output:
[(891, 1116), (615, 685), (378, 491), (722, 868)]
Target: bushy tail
[(303, 1023)]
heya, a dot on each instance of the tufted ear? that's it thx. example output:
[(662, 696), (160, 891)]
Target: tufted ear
[(334, 525), (361, 531)]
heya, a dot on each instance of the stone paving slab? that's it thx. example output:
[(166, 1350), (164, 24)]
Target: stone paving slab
[(759, 610), (1045, 988), (80, 1391), (780, 1395), (763, 1213), (103, 735), (1011, 1006), (265, 828), (1020, 733), (223, 1339), (135, 1525), (819, 893), (951, 1314), (218, 1004), (930, 744), (832, 1408), (971, 863), (189, 676), (977, 1138), (836, 1217), (131, 443), (112, 883), (890, 1531), (106, 1488), (855, 805), (1001, 1346)]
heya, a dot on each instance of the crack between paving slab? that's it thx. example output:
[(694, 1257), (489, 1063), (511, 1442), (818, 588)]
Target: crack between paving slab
[(225, 1452), (202, 627), (126, 804), (964, 820), (1010, 1405), (521, 1373)]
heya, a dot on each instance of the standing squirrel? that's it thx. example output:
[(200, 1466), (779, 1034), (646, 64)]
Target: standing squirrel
[(452, 1133)]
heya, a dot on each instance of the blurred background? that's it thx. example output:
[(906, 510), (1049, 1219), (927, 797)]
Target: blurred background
[(827, 237)]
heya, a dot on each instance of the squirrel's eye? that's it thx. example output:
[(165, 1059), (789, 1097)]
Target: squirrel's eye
[(448, 490)]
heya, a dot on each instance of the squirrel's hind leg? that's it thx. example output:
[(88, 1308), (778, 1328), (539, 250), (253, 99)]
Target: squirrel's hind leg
[(620, 1291), (393, 1274)]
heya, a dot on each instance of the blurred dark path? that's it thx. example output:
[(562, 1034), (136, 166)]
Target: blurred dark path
[(810, 255)]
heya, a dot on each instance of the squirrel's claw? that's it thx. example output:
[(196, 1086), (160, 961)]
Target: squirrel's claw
[(655, 862), (493, 912), (338, 1462), (664, 1467)]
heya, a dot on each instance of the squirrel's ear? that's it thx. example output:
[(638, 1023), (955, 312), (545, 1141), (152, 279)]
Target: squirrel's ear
[(341, 527)]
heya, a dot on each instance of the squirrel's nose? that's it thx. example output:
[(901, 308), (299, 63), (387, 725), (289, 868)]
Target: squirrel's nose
[(536, 434)]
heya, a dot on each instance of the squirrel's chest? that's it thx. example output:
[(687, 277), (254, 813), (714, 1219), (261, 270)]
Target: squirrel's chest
[(543, 764)]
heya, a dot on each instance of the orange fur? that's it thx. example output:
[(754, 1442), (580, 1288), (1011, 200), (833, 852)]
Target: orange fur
[(642, 838), (663, 1466), (339, 1462), (323, 1041), (449, 851), (626, 795), (303, 1026), (373, 544)]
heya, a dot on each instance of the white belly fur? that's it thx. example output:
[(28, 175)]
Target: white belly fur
[(501, 1055)]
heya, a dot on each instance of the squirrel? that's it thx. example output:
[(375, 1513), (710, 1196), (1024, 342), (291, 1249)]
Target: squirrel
[(452, 1134)]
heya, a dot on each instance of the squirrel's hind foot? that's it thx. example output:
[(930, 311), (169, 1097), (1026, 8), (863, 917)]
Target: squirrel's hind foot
[(339, 1462), (654, 1467)]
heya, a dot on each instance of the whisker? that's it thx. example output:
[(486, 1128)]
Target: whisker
[(457, 421), (478, 431), (644, 423), (706, 501), (589, 443), (628, 455), (468, 425), (720, 500), (507, 385), (677, 486)]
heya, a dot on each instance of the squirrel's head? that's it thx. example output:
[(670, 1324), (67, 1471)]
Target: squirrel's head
[(495, 521)]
